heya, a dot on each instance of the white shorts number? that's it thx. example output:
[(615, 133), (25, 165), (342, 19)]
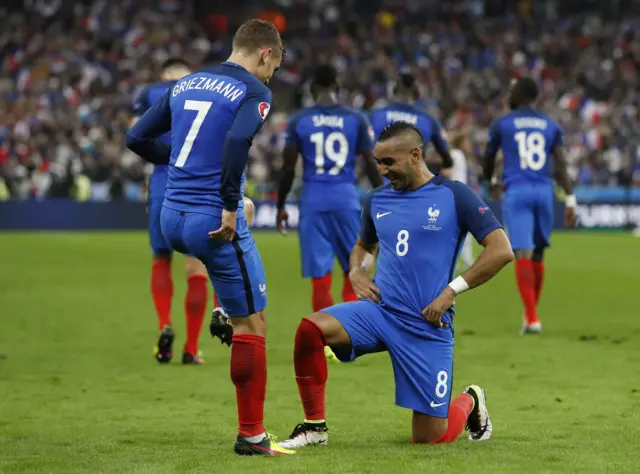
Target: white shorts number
[(441, 386), (402, 247)]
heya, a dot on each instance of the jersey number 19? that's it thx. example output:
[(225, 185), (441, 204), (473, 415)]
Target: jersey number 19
[(326, 147)]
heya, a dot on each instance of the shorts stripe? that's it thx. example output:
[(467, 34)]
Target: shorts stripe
[(245, 276)]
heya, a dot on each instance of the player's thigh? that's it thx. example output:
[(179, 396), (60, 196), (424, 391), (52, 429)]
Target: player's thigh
[(519, 218), (544, 217), (316, 252), (344, 229), (423, 370), (157, 240), (172, 223), (235, 268), (364, 323)]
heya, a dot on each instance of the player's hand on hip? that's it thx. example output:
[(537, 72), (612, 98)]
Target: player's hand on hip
[(282, 221), (433, 313), (227, 230), (364, 286), (570, 218)]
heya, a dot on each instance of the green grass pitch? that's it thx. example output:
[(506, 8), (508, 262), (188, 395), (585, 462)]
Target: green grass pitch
[(81, 392)]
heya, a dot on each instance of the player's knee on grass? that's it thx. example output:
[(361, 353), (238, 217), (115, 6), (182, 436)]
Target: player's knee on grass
[(254, 324), (334, 333), (249, 210), (523, 253), (193, 266), (538, 254), (427, 429)]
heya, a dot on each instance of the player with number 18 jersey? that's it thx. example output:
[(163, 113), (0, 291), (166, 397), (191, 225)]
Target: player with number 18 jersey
[(531, 143)]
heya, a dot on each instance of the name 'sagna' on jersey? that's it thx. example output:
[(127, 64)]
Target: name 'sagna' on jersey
[(335, 121), (228, 90)]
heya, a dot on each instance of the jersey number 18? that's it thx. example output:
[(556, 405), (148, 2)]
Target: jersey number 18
[(532, 150)]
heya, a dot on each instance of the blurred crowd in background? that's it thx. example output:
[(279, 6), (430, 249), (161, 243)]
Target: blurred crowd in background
[(70, 70)]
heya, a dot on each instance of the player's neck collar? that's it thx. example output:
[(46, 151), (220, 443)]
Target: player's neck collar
[(232, 64)]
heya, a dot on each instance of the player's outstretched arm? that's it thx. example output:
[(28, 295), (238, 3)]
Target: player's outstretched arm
[(287, 175), (563, 179), (143, 137)]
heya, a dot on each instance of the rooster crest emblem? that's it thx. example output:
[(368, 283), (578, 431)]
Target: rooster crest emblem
[(433, 214)]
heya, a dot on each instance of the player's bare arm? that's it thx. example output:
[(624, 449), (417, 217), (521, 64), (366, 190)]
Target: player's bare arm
[(371, 168), (496, 254), (563, 179), (361, 279), (288, 173), (447, 163)]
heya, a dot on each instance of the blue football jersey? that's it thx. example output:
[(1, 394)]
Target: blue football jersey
[(147, 97), (430, 128), (329, 137), (213, 115), (420, 235), (527, 138)]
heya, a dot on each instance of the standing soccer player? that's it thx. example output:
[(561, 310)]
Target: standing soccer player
[(461, 147), (419, 222), (328, 135), (405, 93), (529, 141), (161, 279), (213, 116)]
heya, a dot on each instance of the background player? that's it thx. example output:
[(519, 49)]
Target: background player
[(161, 280), (461, 147), (408, 311), (213, 115), (328, 135), (529, 140), (405, 93)]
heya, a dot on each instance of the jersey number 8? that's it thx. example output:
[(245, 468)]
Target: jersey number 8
[(532, 150), (326, 147)]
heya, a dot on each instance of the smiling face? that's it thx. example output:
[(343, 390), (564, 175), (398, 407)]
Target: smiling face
[(399, 159)]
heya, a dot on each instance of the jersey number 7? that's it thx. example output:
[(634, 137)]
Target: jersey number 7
[(203, 109)]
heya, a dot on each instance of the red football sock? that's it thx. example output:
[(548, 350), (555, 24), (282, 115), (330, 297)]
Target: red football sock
[(249, 375), (538, 272), (321, 293), (216, 301), (311, 369), (162, 291), (347, 290), (458, 414), (526, 285), (195, 304)]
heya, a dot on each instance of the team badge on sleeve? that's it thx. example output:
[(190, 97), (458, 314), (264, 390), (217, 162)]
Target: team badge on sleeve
[(263, 108)]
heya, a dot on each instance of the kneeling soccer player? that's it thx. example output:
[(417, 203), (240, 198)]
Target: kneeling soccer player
[(419, 222)]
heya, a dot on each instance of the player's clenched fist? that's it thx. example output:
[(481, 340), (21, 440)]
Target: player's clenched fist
[(227, 230), (363, 285), (433, 313)]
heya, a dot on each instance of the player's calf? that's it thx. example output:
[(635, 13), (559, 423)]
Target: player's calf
[(195, 305), (313, 334)]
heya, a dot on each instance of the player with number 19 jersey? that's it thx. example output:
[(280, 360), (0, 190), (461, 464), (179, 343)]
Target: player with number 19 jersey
[(527, 139), (329, 137)]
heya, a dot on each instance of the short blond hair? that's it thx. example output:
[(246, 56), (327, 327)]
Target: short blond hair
[(255, 33)]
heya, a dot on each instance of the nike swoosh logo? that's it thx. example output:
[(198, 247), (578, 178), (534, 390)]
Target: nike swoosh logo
[(381, 214), (436, 405)]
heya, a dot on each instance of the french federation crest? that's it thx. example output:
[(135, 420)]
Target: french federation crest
[(433, 214)]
